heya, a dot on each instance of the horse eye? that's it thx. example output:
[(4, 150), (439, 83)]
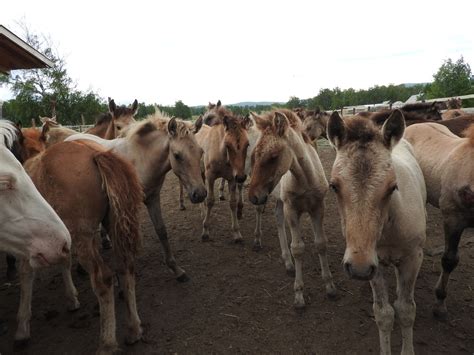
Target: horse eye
[(177, 156), (334, 187), (395, 187), (119, 128)]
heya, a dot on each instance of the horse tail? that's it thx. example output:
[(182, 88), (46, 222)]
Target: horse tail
[(125, 195)]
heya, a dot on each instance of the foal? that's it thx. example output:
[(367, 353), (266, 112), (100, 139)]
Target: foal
[(381, 197), (110, 124), (225, 147), (285, 164), (447, 164)]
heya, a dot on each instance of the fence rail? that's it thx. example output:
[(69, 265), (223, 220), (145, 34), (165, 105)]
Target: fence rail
[(80, 128)]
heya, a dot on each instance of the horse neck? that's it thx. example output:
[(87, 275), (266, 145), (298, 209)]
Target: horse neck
[(110, 131), (303, 167), (99, 130)]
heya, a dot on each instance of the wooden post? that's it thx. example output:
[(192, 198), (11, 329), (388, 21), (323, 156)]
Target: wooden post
[(53, 108), (83, 121), (354, 111), (33, 123)]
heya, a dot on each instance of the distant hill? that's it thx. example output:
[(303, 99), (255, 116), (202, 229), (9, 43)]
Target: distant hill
[(410, 85), (255, 103)]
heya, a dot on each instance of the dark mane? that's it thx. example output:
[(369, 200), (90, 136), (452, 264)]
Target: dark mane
[(103, 118), (419, 106)]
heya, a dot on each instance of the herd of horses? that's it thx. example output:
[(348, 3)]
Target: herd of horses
[(58, 186)]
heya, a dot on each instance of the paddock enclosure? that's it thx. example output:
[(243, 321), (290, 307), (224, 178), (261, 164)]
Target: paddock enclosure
[(241, 301)]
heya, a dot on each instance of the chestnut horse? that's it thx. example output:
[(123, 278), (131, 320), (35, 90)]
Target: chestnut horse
[(155, 146), (109, 125), (30, 228), (381, 197), (225, 147), (88, 186), (446, 161), (285, 164)]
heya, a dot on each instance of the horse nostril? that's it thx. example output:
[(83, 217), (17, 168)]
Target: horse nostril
[(372, 269), (348, 269), (65, 249), (240, 178)]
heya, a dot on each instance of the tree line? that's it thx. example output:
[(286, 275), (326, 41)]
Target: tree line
[(37, 92)]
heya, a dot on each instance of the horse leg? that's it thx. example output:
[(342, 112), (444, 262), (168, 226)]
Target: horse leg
[(27, 276), (233, 209), (209, 204), (71, 291), (11, 267), (452, 235), (126, 270), (240, 203), (405, 307), (182, 207), (383, 311), (153, 205), (320, 242), (101, 277), (221, 190), (297, 249), (285, 251), (257, 244)]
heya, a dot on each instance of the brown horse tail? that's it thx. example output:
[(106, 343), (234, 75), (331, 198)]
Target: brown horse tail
[(125, 195)]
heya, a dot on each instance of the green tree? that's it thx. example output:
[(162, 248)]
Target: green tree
[(451, 79), (182, 111), (294, 102)]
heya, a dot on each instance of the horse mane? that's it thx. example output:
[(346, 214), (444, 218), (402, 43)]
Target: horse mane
[(411, 116), (159, 120), (469, 134), (103, 118), (9, 132), (419, 106), (361, 129)]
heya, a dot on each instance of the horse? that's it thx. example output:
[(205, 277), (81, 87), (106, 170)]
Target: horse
[(110, 124), (52, 132), (453, 109), (285, 164), (155, 146), (88, 186), (30, 228), (446, 161), (458, 125), (315, 123), (381, 197), (225, 146), (413, 113)]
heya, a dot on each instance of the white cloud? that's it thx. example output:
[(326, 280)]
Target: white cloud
[(199, 51)]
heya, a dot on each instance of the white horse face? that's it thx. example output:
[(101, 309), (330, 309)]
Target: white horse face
[(29, 227)]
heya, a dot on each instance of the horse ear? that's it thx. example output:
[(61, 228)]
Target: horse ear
[(280, 123), (112, 106), (172, 127), (135, 107), (198, 124), (44, 132), (219, 103), (259, 121), (393, 129), (336, 130)]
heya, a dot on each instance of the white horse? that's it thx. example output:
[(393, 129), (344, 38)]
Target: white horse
[(29, 227), (381, 196)]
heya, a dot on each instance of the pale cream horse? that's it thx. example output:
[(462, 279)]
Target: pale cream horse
[(447, 164), (381, 196), (155, 146), (286, 165)]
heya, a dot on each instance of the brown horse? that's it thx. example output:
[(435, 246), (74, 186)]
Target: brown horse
[(446, 161), (381, 197), (285, 164), (110, 124), (88, 186), (454, 109), (413, 113), (458, 125), (155, 146), (315, 123), (225, 147), (52, 132)]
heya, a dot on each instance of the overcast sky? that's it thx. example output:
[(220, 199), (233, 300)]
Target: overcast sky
[(201, 51)]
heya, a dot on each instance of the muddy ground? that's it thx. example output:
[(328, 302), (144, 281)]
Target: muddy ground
[(240, 301)]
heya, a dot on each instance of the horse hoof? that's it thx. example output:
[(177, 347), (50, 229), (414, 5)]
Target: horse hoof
[(80, 270), (440, 314), (332, 294), (239, 241), (291, 272), (299, 307), (183, 278), (74, 307), (222, 198), (205, 237), (134, 337), (182, 208), (21, 343), (108, 349), (257, 247), (11, 274), (239, 215)]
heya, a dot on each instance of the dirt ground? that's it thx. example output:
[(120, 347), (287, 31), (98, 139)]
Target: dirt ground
[(240, 301)]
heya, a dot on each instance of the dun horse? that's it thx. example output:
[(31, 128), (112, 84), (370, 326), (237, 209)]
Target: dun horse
[(381, 197), (447, 164), (109, 125), (89, 186), (155, 146), (286, 165)]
